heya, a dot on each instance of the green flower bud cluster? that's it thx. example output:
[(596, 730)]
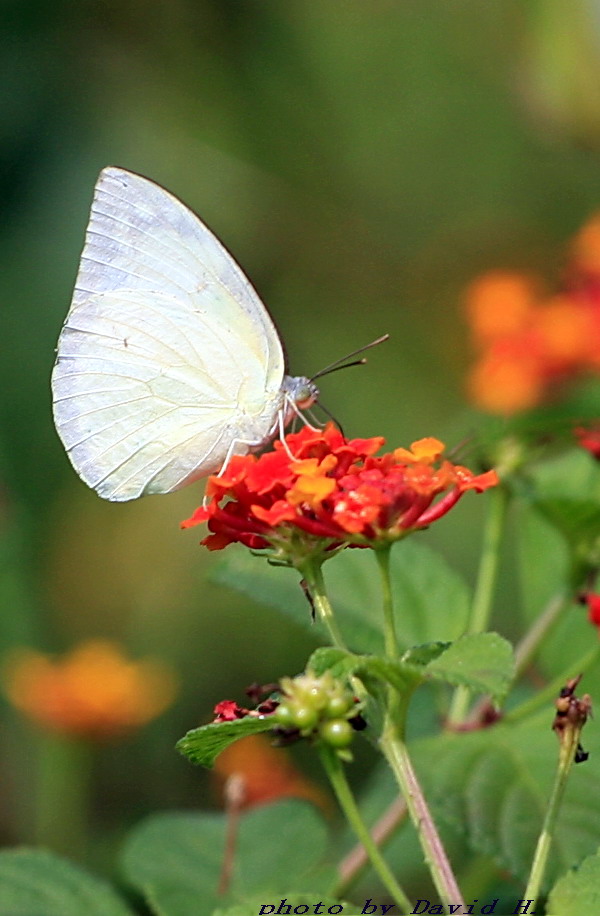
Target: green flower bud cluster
[(317, 706)]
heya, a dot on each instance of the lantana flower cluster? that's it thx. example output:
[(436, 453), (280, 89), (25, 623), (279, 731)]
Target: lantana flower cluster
[(320, 707), (531, 342), (319, 489)]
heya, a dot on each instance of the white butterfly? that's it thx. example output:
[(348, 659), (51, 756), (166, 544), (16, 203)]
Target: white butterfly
[(168, 363)]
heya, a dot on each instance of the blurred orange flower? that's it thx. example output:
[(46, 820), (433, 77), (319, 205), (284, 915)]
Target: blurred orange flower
[(500, 303), (529, 344), (92, 692), (266, 773)]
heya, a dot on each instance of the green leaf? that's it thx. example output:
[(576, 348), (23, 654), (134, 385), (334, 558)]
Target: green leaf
[(544, 571), (35, 882), (482, 662), (578, 891), (419, 656), (254, 577), (401, 674), (577, 520), (175, 859), (263, 860), (566, 491), (204, 744), (573, 474), (383, 671), (493, 786), (543, 561), (327, 658), (431, 601)]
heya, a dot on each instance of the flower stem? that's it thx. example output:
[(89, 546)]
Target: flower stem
[(62, 795), (396, 752), (528, 646), (389, 626), (337, 777), (354, 862), (437, 861), (313, 575), (569, 743), (481, 607)]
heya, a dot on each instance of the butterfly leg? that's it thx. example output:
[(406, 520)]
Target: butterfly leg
[(231, 451)]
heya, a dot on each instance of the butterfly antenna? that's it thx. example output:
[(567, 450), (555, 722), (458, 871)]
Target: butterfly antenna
[(343, 364), (331, 416)]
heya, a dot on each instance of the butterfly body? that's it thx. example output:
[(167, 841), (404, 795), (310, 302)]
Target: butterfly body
[(168, 363)]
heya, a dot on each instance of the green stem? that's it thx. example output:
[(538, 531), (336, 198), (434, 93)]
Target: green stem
[(552, 689), (481, 607), (313, 575), (529, 645), (354, 861), (337, 777), (569, 742), (389, 626), (62, 797), (397, 755), (396, 752)]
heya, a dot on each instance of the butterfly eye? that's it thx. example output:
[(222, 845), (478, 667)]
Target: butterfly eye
[(307, 395)]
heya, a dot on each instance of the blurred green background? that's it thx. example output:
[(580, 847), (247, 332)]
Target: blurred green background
[(363, 161)]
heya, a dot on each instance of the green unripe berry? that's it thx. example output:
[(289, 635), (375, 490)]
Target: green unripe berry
[(338, 733), (317, 696), (304, 717), (339, 705), (284, 716)]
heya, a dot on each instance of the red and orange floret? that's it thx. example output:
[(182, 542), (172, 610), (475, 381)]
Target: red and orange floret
[(335, 489)]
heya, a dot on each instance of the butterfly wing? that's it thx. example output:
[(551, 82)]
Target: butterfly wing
[(167, 355)]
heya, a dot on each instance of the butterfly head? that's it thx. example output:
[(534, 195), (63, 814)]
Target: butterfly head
[(301, 392)]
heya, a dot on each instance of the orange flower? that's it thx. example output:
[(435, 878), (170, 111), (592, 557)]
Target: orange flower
[(499, 304), (505, 380), (266, 772), (529, 346), (332, 493), (93, 692), (566, 330)]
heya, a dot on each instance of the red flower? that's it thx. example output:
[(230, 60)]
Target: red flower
[(589, 438), (333, 492), (592, 601), (229, 711)]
